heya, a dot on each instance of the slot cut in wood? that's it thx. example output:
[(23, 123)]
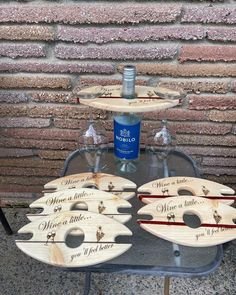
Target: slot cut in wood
[(148, 99), (172, 186), (88, 199), (48, 243), (105, 182), (216, 221)]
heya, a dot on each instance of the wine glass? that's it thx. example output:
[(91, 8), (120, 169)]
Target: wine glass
[(159, 143), (93, 142)]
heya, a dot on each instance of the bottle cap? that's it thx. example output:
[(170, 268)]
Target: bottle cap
[(129, 72)]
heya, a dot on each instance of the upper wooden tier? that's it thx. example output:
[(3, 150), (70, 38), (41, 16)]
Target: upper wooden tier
[(148, 99)]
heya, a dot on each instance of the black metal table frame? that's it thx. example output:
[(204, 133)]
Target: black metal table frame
[(5, 223)]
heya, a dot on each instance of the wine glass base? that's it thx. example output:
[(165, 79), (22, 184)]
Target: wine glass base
[(126, 167)]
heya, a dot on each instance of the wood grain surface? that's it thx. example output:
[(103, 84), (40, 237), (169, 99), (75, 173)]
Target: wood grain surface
[(88, 199), (216, 221), (49, 235), (105, 182), (148, 99), (173, 186)]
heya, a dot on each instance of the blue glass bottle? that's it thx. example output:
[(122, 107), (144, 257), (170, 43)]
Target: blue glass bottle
[(127, 127)]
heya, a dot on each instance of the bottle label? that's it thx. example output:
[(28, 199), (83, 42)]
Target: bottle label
[(126, 140)]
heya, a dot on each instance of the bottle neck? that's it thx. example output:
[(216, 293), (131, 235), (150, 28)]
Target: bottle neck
[(128, 86)]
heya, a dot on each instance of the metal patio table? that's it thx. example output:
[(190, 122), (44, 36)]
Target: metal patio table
[(150, 255)]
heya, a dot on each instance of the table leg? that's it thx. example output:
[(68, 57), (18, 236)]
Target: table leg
[(167, 279), (167, 286), (5, 222), (87, 283)]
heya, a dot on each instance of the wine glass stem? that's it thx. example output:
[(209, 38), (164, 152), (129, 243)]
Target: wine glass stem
[(97, 161), (165, 167)]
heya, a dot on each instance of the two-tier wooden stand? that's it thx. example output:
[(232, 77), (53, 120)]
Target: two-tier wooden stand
[(148, 99)]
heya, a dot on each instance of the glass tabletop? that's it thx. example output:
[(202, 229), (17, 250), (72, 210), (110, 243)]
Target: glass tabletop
[(150, 254)]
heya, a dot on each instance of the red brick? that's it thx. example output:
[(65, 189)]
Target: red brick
[(108, 124), (34, 82), (25, 180), (26, 32), (12, 195), (80, 124), (110, 136), (22, 50), (207, 53), (29, 171), (150, 125), (85, 81), (15, 189), (67, 123), (91, 13), (46, 67), (15, 202), (51, 111), (218, 170), (62, 155), (234, 129), (212, 102), (8, 201), (31, 162), (210, 151), (201, 128), (196, 85), (7, 198), (224, 179), (38, 144), (222, 116), (207, 14), (22, 203), (219, 161), (221, 34), (228, 140), (6, 153), (186, 70), (129, 34), (175, 114), (54, 97), (189, 127), (24, 122), (116, 52), (13, 97), (233, 86), (63, 134)]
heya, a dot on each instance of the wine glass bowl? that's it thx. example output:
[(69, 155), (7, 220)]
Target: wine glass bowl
[(93, 142), (160, 142)]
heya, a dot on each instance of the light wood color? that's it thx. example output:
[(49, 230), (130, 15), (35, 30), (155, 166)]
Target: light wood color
[(105, 182), (196, 186), (209, 211), (49, 234), (166, 285), (84, 198), (148, 99)]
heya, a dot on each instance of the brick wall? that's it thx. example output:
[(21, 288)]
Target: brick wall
[(50, 49)]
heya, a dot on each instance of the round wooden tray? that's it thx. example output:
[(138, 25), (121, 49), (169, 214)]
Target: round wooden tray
[(148, 99)]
